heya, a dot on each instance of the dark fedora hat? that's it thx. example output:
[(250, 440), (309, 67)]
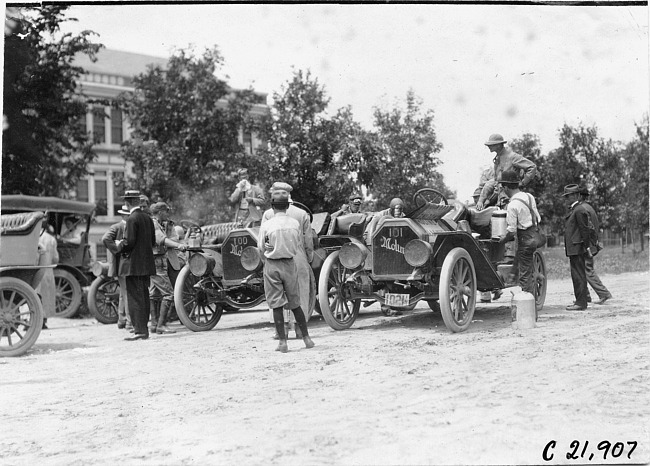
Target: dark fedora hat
[(509, 177), (572, 189), (131, 194)]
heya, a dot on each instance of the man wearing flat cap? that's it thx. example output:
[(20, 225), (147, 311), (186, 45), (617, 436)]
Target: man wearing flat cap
[(504, 159), (111, 239), (577, 244), (137, 263), (278, 244), (352, 207), (160, 282), (306, 279), (248, 199), (592, 277)]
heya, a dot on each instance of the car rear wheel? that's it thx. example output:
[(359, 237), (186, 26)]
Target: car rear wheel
[(195, 307), (337, 307), (68, 293), (104, 299), (539, 281), (21, 316), (457, 290)]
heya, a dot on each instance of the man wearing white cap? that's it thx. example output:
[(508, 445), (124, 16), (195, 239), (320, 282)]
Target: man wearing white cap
[(278, 244), (504, 159), (110, 239), (307, 282)]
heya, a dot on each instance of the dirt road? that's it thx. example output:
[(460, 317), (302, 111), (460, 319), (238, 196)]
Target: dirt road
[(391, 390)]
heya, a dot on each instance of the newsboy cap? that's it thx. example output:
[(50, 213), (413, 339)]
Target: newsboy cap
[(131, 194), (355, 197), (495, 139), (158, 206), (281, 186), (571, 189), (280, 196)]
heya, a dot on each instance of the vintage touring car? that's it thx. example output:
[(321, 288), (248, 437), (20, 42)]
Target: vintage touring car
[(439, 253), (224, 272), (21, 310), (73, 272)]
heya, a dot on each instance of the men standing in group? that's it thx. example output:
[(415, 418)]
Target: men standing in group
[(278, 243), (137, 263), (306, 280), (160, 282), (504, 159), (248, 199), (578, 245), (521, 220), (110, 239), (592, 277)]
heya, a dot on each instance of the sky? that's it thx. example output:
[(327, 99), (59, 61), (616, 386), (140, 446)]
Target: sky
[(482, 69)]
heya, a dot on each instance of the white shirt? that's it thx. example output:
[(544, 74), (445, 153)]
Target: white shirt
[(518, 216)]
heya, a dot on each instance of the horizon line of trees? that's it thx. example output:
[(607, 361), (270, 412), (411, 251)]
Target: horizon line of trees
[(185, 146)]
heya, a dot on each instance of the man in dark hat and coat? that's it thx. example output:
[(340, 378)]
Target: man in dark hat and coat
[(592, 277), (137, 263), (577, 244)]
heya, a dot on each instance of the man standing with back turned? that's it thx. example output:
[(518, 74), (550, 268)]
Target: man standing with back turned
[(278, 243), (137, 263)]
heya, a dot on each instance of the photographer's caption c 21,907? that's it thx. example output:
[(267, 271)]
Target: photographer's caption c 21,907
[(603, 451)]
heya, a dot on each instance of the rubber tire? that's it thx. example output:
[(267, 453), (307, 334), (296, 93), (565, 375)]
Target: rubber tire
[(540, 281), (35, 309), (97, 286), (434, 305), (333, 266), (449, 276), (68, 293), (184, 316)]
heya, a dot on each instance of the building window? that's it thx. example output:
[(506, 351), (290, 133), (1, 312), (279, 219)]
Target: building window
[(101, 197), (248, 142), (82, 190), (99, 129), (119, 186), (116, 126)]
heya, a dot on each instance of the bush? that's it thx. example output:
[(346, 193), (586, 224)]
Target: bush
[(609, 261)]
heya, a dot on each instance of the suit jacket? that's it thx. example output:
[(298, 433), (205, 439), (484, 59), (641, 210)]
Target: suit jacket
[(507, 160), (577, 234), (254, 207), (137, 247), (115, 233)]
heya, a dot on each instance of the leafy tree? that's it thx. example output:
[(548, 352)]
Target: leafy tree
[(318, 155), (185, 144), (633, 208), (45, 149), (529, 146), (404, 153)]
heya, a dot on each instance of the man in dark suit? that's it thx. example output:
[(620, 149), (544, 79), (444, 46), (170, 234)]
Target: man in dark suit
[(577, 244), (114, 234), (592, 277), (137, 263)]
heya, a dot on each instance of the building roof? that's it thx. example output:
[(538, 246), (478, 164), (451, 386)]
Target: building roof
[(116, 62)]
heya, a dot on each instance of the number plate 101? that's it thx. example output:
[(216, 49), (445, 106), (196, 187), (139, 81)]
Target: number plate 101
[(396, 299)]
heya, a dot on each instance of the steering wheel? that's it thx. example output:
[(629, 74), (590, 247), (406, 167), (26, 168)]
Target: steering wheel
[(191, 227), (429, 195), (302, 206)]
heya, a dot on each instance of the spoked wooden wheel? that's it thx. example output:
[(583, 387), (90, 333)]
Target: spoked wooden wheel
[(429, 195), (539, 281), (457, 290), (339, 309), (194, 306), (104, 299), (68, 293), (21, 316)]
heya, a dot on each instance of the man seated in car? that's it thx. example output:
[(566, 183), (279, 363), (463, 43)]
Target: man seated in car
[(353, 207)]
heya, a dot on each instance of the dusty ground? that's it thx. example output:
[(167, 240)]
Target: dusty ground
[(391, 390)]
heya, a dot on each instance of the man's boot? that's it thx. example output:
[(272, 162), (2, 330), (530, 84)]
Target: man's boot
[(162, 320), (154, 314)]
